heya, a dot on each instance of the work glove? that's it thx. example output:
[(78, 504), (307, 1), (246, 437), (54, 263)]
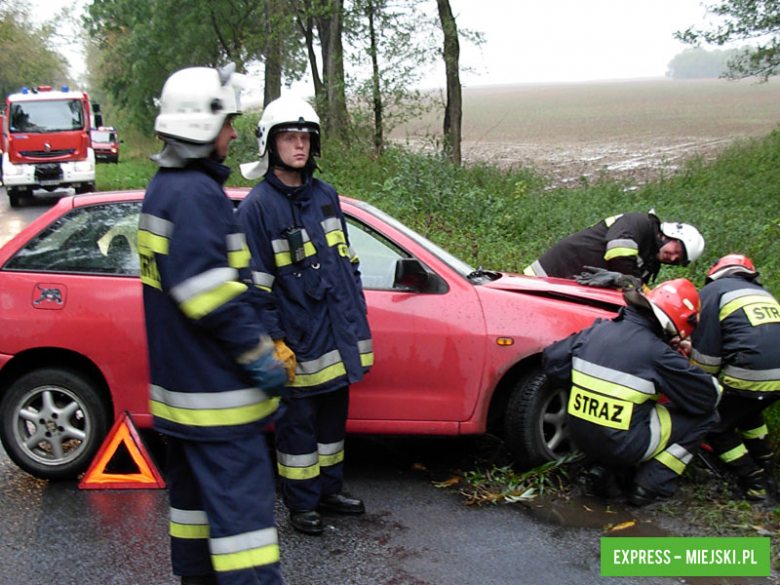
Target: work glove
[(285, 355), (268, 373), (603, 278)]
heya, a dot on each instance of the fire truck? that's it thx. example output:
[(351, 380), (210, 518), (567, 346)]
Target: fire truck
[(46, 142)]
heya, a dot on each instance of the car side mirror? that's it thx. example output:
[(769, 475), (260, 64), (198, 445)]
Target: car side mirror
[(411, 275)]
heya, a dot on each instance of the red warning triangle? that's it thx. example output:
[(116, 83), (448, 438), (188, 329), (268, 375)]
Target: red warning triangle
[(123, 436)]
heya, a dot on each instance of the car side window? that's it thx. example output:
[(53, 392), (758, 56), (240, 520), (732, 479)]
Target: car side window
[(376, 253), (98, 239)]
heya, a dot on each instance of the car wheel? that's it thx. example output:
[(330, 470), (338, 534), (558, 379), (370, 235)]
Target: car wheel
[(52, 422), (13, 196), (535, 424)]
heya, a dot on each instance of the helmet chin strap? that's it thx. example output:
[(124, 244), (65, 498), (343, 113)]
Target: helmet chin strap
[(175, 153)]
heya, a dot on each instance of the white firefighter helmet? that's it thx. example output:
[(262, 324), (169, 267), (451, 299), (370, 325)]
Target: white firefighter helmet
[(284, 114), (195, 102), (692, 241)]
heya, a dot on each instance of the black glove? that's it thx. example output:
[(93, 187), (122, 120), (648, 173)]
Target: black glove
[(603, 278)]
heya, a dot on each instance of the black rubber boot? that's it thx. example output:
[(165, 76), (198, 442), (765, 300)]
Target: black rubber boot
[(753, 485), (306, 521), (342, 503)]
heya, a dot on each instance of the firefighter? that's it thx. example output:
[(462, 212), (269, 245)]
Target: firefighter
[(618, 369), (311, 298), (634, 244), (737, 340), (214, 374)]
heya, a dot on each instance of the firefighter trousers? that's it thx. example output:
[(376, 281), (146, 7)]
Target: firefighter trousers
[(310, 447), (741, 439), (222, 511), (681, 435)]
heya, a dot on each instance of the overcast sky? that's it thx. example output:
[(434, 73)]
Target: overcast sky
[(531, 41)]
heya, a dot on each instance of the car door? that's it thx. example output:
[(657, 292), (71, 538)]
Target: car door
[(428, 346)]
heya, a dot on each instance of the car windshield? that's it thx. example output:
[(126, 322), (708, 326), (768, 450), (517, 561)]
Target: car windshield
[(458, 265), (103, 136), (46, 116)]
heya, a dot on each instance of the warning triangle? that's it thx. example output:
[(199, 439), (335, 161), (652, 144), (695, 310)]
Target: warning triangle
[(122, 461)]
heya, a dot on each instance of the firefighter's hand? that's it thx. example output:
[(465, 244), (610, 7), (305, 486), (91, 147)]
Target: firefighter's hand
[(600, 277), (268, 373), (285, 355), (682, 346)]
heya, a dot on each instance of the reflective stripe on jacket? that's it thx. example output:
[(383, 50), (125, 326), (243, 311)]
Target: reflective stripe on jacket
[(308, 288), (625, 243), (196, 289), (738, 335)]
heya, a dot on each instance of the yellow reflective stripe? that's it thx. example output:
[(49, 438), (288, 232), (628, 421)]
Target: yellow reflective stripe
[(246, 559), (239, 259), (665, 419), (153, 242), (325, 375), (189, 531), (671, 462), (335, 237), (343, 251), (298, 472), (752, 385), (600, 410), (329, 460), (610, 220), (734, 454), (609, 388), (214, 417), (709, 369), (741, 302), (285, 259), (757, 433), (528, 271), (203, 304), (367, 359), (620, 252)]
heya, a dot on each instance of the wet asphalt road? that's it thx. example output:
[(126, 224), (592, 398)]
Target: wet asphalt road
[(412, 534)]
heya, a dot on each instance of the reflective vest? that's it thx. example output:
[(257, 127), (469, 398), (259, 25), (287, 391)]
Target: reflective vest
[(617, 370), (625, 243), (307, 281), (738, 335), (196, 282)]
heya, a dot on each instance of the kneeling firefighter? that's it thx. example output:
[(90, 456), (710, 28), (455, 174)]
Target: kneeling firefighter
[(617, 371)]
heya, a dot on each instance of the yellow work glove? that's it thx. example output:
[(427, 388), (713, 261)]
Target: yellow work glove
[(285, 355)]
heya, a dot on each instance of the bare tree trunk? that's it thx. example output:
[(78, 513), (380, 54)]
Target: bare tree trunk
[(329, 25), (306, 24), (273, 56), (453, 112), (376, 95)]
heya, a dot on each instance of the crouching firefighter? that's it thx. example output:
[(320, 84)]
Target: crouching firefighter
[(617, 371), (738, 339), (214, 373)]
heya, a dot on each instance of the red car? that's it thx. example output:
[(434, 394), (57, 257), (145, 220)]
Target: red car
[(457, 350), (105, 144)]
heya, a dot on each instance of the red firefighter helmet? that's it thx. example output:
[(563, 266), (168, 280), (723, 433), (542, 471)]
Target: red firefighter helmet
[(675, 303), (730, 264)]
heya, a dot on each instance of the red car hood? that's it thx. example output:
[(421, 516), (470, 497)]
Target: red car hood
[(557, 288)]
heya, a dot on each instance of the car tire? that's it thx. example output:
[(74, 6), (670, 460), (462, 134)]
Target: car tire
[(13, 196), (535, 422), (61, 408)]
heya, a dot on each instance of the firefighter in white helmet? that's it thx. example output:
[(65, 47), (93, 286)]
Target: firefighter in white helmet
[(311, 299), (215, 379), (617, 370), (631, 244)]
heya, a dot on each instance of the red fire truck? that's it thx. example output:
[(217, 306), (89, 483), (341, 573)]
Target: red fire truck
[(46, 142)]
